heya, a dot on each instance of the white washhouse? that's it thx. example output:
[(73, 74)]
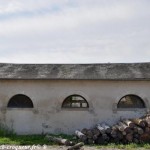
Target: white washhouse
[(60, 98)]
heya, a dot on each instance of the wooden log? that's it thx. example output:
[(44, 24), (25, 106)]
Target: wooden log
[(120, 135), (124, 127), (114, 131), (139, 130), (146, 116), (136, 135), (128, 123), (80, 135), (95, 132), (147, 120), (100, 128), (135, 140), (90, 141), (119, 127), (115, 140), (100, 140), (106, 128), (89, 133), (135, 129), (60, 141), (76, 146), (130, 131), (84, 131), (129, 137), (113, 134), (139, 122), (124, 133), (145, 137), (105, 137), (95, 137), (147, 130)]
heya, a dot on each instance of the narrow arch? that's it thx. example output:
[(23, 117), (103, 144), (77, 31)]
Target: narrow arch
[(131, 101), (75, 101), (20, 101)]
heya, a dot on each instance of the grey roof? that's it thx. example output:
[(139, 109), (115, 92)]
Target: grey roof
[(110, 71)]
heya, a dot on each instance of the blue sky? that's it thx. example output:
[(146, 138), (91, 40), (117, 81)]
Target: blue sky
[(74, 31)]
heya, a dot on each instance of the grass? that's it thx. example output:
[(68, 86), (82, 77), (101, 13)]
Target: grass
[(8, 137), (40, 140), (24, 140)]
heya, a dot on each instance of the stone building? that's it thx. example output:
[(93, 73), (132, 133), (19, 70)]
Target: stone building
[(59, 98)]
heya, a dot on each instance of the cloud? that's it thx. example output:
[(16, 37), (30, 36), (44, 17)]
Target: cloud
[(67, 31), (18, 6)]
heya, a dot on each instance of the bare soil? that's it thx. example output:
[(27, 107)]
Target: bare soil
[(45, 147), (83, 148)]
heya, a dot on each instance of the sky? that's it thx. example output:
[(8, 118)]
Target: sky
[(74, 31)]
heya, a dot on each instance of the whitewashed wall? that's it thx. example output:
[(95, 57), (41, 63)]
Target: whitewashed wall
[(48, 95)]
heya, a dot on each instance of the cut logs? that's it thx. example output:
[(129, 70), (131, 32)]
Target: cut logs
[(76, 146), (128, 123), (136, 130), (59, 141), (124, 131), (139, 122), (106, 128), (81, 136)]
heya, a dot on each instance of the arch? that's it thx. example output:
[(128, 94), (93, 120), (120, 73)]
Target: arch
[(75, 101), (20, 101), (131, 101)]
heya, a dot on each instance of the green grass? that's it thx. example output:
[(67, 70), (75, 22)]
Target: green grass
[(13, 139), (24, 140), (8, 137), (40, 140)]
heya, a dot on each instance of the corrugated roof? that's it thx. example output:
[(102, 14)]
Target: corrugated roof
[(110, 71)]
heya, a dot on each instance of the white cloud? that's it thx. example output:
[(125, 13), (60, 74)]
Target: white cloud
[(17, 6), (80, 31), (67, 19)]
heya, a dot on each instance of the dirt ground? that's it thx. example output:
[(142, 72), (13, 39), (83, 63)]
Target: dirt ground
[(65, 148), (45, 147), (38, 147), (83, 148)]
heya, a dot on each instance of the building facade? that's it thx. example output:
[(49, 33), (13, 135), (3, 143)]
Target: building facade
[(60, 98)]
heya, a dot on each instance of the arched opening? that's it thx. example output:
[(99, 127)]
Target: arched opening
[(131, 101), (75, 101), (20, 101)]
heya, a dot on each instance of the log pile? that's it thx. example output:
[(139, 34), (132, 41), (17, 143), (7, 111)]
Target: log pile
[(135, 130)]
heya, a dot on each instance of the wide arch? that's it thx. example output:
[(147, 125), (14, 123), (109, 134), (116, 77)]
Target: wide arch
[(20, 101), (131, 101), (75, 101)]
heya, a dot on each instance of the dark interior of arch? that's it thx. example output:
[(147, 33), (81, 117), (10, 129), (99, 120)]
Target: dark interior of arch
[(75, 101), (131, 101), (20, 101)]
